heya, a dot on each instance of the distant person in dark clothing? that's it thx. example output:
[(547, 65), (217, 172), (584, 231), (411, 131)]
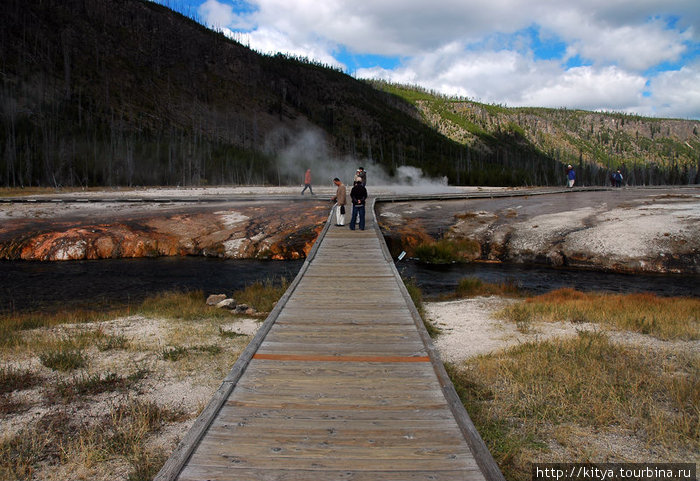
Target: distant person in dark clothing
[(307, 182), (618, 178), (358, 194)]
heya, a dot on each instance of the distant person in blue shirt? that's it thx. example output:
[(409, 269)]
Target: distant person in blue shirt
[(570, 175)]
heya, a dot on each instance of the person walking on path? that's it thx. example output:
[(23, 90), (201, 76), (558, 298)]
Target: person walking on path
[(307, 182), (340, 200), (358, 194), (571, 176), (618, 178)]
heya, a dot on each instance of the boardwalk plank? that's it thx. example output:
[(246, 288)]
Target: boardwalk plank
[(198, 473)]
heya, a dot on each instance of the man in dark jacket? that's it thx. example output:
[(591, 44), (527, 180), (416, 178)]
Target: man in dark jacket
[(358, 194)]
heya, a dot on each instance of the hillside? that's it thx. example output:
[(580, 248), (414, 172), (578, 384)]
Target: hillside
[(648, 150), (128, 92)]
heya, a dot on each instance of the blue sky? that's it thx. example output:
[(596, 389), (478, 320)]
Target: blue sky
[(636, 56)]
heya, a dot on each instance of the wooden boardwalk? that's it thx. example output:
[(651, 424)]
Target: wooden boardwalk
[(341, 383)]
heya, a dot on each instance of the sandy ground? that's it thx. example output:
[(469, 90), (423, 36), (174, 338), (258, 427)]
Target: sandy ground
[(243, 190), (471, 327), (49, 205), (184, 386)]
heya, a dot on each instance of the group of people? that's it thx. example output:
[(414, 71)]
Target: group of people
[(358, 196), (615, 177)]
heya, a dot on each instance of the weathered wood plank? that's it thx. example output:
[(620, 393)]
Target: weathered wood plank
[(405, 414), (198, 473), (324, 464)]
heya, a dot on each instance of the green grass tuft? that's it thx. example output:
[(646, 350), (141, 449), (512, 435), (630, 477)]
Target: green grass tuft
[(174, 353), (447, 251), (229, 334), (64, 359), (113, 342), (262, 295), (473, 286)]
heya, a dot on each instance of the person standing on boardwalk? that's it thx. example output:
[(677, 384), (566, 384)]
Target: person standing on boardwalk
[(339, 199), (358, 194), (570, 175), (307, 182), (362, 174)]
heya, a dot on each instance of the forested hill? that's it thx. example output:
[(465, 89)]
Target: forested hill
[(648, 150), (128, 92)]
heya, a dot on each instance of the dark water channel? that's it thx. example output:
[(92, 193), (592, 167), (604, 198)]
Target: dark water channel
[(108, 282), (439, 279), (102, 283)]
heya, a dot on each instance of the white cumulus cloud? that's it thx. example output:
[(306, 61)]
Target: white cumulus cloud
[(613, 57)]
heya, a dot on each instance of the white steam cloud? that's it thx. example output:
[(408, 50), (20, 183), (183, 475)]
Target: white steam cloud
[(296, 152)]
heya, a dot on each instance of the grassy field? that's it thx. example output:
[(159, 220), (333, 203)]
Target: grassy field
[(661, 317), (627, 390), (107, 395)]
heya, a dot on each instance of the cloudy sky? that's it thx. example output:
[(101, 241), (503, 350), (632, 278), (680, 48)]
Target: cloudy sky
[(637, 56)]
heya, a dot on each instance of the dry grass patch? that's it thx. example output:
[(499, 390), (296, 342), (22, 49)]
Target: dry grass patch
[(16, 379), (111, 392), (417, 297), (91, 384), (13, 379), (262, 295), (58, 438), (662, 317), (524, 399), (13, 324), (186, 306)]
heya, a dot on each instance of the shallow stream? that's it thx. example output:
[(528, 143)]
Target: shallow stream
[(101, 283)]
